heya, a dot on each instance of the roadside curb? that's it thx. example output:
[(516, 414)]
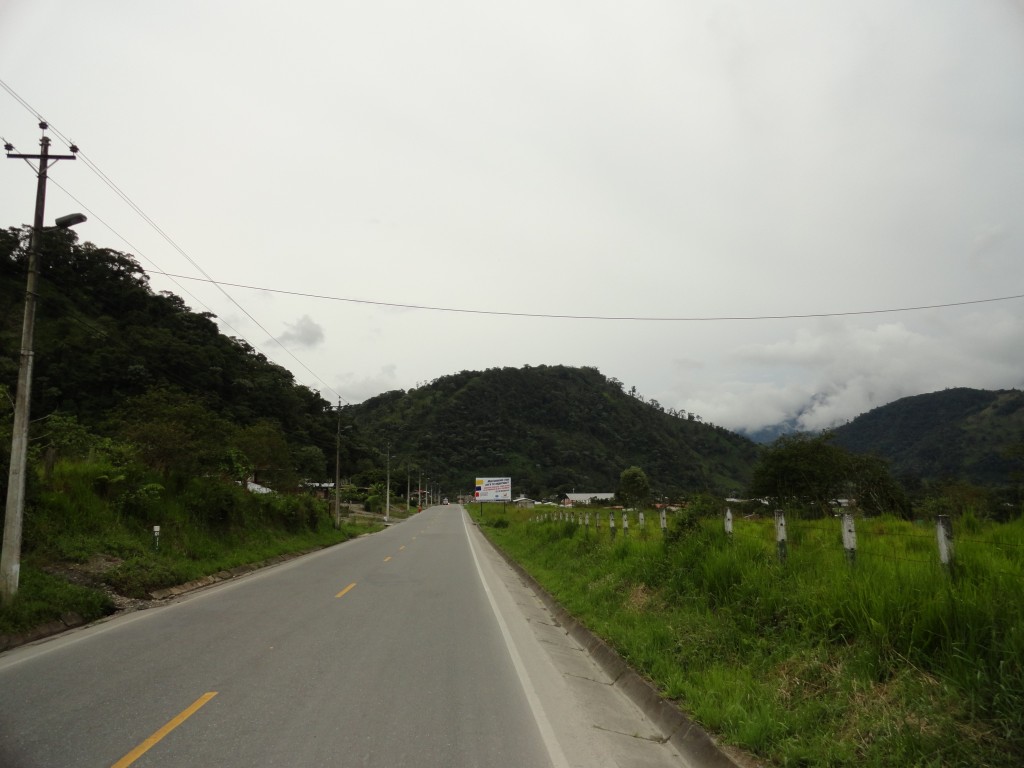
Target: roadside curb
[(694, 743), (228, 575), (73, 620), (67, 621)]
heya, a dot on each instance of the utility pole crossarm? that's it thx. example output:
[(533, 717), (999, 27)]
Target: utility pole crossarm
[(14, 156)]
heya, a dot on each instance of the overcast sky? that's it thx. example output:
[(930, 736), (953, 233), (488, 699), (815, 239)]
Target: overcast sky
[(701, 159)]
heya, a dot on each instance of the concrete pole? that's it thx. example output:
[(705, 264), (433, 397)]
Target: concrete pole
[(10, 555), (337, 472)]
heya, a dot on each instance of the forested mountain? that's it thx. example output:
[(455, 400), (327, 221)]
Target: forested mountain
[(552, 429), (120, 361), (116, 359), (964, 435)]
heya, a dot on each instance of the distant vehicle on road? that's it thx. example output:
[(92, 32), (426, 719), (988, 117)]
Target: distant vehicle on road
[(445, 500)]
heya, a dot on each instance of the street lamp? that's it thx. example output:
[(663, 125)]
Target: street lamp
[(387, 492), (337, 472), (10, 554)]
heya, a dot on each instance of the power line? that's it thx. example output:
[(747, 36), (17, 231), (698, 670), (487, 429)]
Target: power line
[(618, 318), (145, 217), (137, 252)]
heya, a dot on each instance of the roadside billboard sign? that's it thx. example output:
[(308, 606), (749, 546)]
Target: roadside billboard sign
[(493, 489)]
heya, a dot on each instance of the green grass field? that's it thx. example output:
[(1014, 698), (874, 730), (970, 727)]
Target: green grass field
[(893, 660)]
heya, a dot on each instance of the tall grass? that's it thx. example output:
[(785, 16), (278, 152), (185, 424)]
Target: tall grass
[(891, 661), (101, 517)]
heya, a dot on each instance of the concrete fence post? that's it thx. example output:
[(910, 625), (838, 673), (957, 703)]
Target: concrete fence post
[(780, 534), (944, 535), (849, 538)]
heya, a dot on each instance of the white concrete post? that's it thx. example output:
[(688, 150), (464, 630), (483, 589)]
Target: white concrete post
[(849, 538), (780, 534)]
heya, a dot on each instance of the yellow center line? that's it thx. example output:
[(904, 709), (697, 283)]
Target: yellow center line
[(387, 558), (401, 548), (149, 743), (346, 590)]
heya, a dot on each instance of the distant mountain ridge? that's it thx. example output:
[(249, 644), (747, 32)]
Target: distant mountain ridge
[(960, 434), (553, 429)]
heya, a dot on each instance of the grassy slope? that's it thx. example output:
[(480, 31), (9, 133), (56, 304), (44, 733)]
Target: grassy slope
[(890, 662), (208, 527)]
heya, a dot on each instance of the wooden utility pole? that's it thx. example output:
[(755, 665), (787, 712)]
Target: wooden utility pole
[(337, 471), (10, 554)]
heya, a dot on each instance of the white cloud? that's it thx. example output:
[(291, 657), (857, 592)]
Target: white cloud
[(673, 159), (361, 387), (304, 332), (834, 371)]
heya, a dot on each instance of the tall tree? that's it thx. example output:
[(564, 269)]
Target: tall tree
[(811, 469), (634, 487)]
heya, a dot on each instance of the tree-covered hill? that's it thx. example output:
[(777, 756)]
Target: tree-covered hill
[(963, 435), (123, 362), (552, 429), (119, 360)]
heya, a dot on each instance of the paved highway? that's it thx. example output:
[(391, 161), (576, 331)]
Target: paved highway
[(410, 647)]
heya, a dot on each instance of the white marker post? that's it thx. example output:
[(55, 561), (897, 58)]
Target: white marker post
[(944, 534), (849, 538), (780, 534)]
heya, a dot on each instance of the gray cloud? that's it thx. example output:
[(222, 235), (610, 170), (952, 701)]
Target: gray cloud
[(691, 159), (835, 371), (304, 332)]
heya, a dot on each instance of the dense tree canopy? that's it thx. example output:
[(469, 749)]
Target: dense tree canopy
[(634, 487), (812, 470), (552, 429), (125, 362)]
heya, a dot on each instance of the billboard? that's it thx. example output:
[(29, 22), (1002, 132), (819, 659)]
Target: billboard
[(493, 489)]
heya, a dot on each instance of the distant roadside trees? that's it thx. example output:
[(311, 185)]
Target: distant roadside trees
[(811, 469), (634, 487)]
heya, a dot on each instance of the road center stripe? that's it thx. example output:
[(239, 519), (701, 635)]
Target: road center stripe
[(346, 590), (149, 743)]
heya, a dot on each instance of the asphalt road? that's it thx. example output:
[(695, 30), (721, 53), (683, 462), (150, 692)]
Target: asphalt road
[(399, 649)]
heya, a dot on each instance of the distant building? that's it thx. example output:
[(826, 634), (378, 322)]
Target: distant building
[(524, 503), (571, 499)]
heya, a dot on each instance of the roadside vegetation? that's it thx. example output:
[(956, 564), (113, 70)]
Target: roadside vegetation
[(89, 536), (890, 660), (145, 414)]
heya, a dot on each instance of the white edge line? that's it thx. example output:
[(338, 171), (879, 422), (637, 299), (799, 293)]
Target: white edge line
[(558, 759)]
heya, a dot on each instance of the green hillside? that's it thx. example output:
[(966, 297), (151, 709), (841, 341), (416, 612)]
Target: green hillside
[(125, 362), (552, 429), (960, 435)]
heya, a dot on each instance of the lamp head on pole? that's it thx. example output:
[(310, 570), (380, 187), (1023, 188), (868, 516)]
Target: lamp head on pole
[(63, 222)]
